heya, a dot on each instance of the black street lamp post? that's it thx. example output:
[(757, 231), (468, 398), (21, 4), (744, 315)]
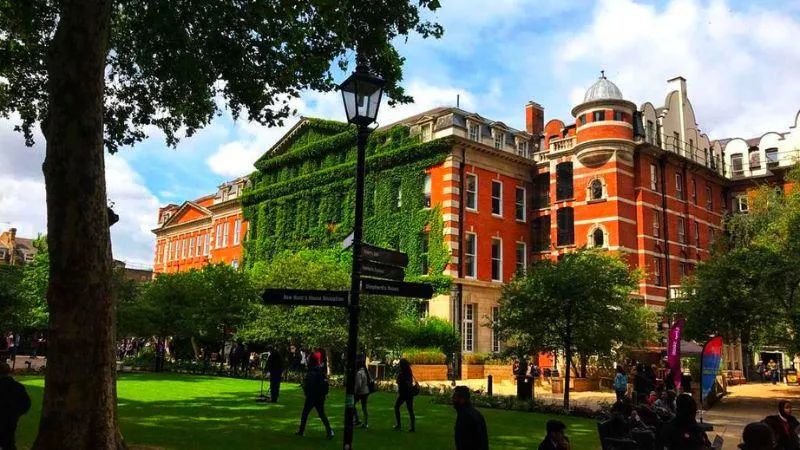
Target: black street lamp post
[(361, 93)]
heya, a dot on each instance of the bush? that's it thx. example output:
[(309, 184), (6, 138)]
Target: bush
[(474, 358), (496, 359), (145, 358), (431, 332), (424, 356)]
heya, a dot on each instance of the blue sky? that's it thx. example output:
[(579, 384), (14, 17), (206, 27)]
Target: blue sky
[(739, 57)]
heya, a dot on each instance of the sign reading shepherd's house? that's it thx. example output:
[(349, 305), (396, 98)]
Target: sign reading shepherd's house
[(396, 288), (300, 297)]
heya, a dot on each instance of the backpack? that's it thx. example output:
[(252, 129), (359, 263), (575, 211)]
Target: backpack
[(621, 383)]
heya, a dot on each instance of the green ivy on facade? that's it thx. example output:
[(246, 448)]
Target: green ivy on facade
[(304, 197)]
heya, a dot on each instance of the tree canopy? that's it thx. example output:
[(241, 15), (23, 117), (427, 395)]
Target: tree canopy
[(748, 290), (98, 74), (581, 303)]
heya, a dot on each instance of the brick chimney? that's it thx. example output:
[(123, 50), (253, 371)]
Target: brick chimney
[(534, 118), (12, 245)]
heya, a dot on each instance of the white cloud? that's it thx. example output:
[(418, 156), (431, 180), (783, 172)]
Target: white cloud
[(23, 202), (738, 64)]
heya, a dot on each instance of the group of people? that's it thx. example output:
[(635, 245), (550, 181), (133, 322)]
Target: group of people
[(769, 372), (10, 345)]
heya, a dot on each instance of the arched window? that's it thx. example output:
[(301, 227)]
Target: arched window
[(596, 189), (598, 238)]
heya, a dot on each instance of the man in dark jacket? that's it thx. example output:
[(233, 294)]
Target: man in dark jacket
[(14, 402), (315, 387), (275, 368), (555, 439), (470, 430)]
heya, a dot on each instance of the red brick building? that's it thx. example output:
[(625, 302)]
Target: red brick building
[(642, 181), (209, 229)]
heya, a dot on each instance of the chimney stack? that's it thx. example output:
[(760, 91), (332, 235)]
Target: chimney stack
[(534, 119), (12, 244)]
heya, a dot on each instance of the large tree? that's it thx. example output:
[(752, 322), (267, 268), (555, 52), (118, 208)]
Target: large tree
[(97, 73), (580, 304)]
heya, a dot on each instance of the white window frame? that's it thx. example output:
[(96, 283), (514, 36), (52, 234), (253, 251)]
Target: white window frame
[(522, 148), (427, 191), (709, 198), (207, 244), (741, 200), (679, 186), (710, 237), (184, 243), (681, 230), (499, 139), (237, 231), (521, 265), (473, 267), (656, 223), (469, 327), (191, 247), (495, 338), (524, 204), (499, 200), (653, 177), (697, 234), (218, 236), (477, 128), (499, 259), (694, 191), (165, 255), (225, 236), (474, 192), (199, 249), (740, 158), (426, 132), (657, 262)]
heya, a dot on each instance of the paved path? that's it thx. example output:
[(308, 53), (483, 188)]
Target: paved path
[(22, 359), (744, 404)]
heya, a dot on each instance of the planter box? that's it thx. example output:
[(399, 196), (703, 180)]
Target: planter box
[(472, 371), (430, 372), (498, 373), (584, 384)]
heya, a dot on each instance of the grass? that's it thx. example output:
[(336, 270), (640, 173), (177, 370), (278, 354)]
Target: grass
[(197, 412)]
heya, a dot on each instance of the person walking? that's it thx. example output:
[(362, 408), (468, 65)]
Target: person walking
[(621, 383), (555, 439), (470, 429), (275, 368), (785, 427), (315, 388), (14, 402), (407, 388), (757, 436), (364, 387), (683, 432)]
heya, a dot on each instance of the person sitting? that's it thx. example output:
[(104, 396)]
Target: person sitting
[(666, 402), (758, 436), (555, 438), (785, 426), (683, 432), (651, 399)]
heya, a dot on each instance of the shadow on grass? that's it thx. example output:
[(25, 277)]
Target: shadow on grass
[(186, 412)]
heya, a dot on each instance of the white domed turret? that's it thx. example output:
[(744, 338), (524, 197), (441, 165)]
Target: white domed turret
[(603, 89)]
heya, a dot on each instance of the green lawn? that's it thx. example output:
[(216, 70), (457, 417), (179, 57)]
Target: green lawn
[(194, 412)]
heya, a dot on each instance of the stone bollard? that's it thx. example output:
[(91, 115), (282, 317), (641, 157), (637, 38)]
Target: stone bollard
[(489, 385)]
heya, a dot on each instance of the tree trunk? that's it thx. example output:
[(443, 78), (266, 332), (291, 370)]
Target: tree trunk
[(79, 410), (567, 371), (583, 362), (195, 348), (329, 359)]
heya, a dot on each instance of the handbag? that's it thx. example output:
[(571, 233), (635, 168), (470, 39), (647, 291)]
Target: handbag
[(414, 388)]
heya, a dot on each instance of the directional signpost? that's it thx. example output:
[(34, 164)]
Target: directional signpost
[(378, 270), (383, 255), (301, 297), (396, 288)]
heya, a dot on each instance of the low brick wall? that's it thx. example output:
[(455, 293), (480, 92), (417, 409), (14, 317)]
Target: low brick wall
[(430, 372), (584, 384), (498, 373), (472, 371)]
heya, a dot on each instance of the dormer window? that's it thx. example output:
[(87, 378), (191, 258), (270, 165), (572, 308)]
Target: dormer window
[(499, 139), (474, 131), (523, 148), (598, 116), (426, 132)]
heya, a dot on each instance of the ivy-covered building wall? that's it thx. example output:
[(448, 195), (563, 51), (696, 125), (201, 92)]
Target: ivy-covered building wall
[(303, 195)]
